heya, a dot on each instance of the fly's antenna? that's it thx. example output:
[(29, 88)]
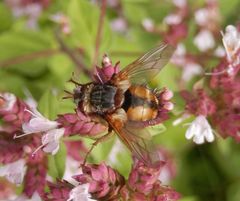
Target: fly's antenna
[(73, 80), (69, 95)]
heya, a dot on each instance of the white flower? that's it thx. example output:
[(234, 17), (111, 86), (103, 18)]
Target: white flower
[(14, 172), (35, 197), (220, 51), (38, 123), (204, 40), (7, 101), (190, 70), (178, 57), (115, 151), (202, 16), (180, 3), (172, 19), (51, 140), (200, 130), (148, 24), (30, 101), (72, 168), (231, 42), (51, 134), (119, 24), (80, 193)]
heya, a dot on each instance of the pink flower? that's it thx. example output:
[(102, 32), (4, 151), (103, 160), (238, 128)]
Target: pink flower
[(105, 73), (58, 192), (143, 184), (227, 123), (30, 9), (76, 149), (12, 112), (176, 33), (104, 182), (35, 178), (78, 123), (20, 149), (142, 178), (198, 102)]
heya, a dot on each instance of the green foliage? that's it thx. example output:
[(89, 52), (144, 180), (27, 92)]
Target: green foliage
[(32, 59), (15, 45), (48, 104), (6, 17), (56, 163), (83, 21)]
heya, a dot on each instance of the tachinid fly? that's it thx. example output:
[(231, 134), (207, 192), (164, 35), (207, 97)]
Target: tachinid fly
[(126, 103)]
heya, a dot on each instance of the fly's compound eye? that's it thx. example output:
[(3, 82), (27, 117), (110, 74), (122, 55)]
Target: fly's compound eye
[(77, 94)]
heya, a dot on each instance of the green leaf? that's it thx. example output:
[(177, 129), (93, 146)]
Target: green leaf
[(192, 198), (84, 23), (135, 11), (168, 77), (156, 129), (6, 17), (61, 66), (229, 8), (22, 45), (48, 105), (12, 83), (57, 162), (233, 193)]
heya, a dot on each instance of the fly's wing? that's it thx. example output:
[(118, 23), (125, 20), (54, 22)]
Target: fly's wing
[(147, 66), (138, 141)]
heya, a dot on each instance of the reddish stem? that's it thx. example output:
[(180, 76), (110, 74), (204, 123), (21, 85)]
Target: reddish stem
[(99, 31), (27, 57)]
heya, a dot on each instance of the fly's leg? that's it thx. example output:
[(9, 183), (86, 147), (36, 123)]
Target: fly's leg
[(101, 139)]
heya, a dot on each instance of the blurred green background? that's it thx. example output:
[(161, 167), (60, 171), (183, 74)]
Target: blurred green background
[(31, 60)]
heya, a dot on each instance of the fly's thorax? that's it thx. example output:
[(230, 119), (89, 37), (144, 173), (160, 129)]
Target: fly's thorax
[(140, 104), (103, 98)]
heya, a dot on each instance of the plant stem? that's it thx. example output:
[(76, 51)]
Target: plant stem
[(27, 57), (75, 58), (99, 31)]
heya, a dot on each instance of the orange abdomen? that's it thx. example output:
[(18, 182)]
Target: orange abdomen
[(140, 104)]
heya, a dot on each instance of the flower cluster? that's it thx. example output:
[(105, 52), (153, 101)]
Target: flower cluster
[(18, 165), (218, 100), (24, 131), (101, 182), (29, 8)]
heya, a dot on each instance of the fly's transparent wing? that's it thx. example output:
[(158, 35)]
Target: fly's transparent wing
[(149, 65), (138, 141)]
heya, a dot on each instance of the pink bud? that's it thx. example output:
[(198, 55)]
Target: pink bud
[(106, 62), (168, 106), (167, 94)]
